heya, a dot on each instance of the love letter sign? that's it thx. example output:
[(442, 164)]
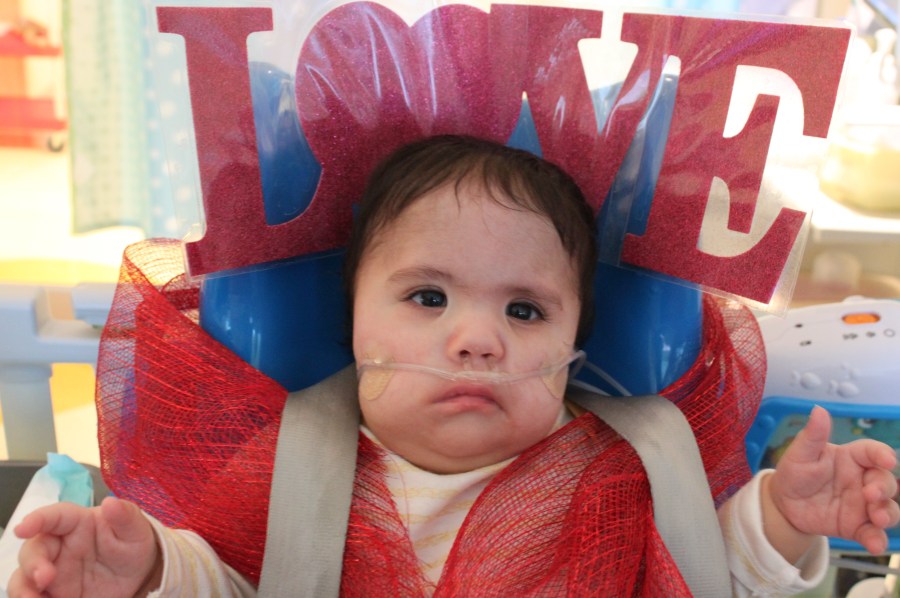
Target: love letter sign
[(368, 81)]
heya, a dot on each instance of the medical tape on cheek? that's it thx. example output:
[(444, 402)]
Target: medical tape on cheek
[(373, 380), (375, 374)]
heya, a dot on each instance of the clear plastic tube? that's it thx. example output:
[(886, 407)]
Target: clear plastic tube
[(374, 387)]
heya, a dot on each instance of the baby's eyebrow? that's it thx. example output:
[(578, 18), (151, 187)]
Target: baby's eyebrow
[(417, 273)]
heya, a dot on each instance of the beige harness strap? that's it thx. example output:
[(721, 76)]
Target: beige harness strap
[(312, 486)]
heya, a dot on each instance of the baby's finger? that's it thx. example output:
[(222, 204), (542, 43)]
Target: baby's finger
[(872, 538), (813, 438), (21, 587), (871, 453), (36, 557), (879, 485), (884, 514), (30, 526), (125, 520), (58, 519)]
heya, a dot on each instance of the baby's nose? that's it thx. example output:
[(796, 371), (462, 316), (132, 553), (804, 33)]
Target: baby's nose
[(476, 341)]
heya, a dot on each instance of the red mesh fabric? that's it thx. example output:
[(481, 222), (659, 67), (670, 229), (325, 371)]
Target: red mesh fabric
[(188, 432), (571, 517), (720, 393), (187, 429)]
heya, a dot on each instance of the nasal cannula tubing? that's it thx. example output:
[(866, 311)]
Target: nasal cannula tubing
[(376, 386)]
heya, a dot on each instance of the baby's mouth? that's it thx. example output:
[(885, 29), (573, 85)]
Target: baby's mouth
[(468, 396), (482, 392)]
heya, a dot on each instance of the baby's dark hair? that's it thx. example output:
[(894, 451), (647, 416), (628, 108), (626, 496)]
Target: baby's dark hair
[(515, 178)]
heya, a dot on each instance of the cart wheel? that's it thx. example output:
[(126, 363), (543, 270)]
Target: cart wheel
[(56, 143)]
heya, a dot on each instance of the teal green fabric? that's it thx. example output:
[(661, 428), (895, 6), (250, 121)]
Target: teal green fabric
[(75, 483), (116, 142)]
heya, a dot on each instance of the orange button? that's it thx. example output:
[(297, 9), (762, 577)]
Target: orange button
[(861, 318)]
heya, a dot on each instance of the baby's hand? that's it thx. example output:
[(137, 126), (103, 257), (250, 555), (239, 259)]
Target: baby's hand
[(108, 550), (843, 491)]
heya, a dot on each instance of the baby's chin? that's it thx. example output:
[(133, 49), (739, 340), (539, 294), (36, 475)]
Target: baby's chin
[(445, 464), (451, 451)]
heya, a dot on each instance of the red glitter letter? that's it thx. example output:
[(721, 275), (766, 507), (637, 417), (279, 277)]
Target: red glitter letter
[(697, 151), (236, 232), (367, 83)]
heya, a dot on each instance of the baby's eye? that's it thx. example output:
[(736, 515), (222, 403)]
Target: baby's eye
[(429, 298), (523, 311)]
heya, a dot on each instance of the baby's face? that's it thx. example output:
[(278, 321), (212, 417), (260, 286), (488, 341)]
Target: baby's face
[(463, 284)]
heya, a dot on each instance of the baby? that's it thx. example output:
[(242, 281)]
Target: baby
[(469, 273)]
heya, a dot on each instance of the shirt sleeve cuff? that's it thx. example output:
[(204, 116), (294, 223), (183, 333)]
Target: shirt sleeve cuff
[(192, 568), (753, 560)]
